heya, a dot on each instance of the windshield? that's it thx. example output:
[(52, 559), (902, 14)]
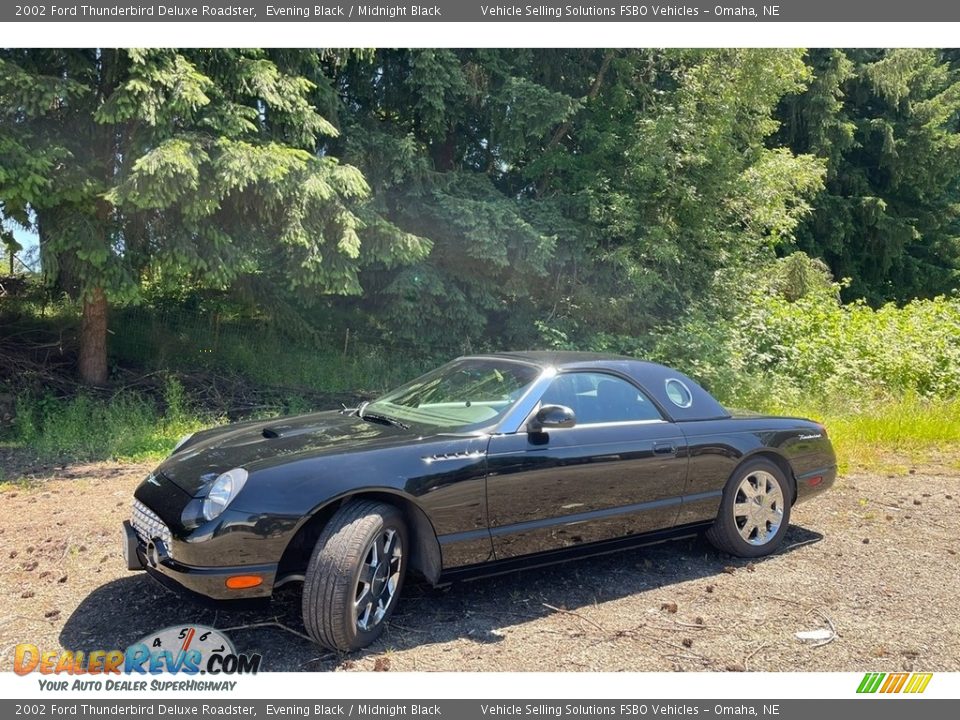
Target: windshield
[(460, 396)]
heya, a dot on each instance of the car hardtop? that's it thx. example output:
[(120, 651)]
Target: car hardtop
[(653, 378)]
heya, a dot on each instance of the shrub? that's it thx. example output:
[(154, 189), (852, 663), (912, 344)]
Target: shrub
[(777, 348), (86, 427)]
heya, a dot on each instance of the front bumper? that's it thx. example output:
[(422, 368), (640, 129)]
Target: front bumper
[(203, 583)]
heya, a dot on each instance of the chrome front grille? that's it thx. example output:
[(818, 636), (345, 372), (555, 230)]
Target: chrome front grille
[(148, 525)]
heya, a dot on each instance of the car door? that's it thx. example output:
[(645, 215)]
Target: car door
[(619, 471)]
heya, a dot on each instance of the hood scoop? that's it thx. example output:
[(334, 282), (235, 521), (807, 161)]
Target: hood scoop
[(287, 431)]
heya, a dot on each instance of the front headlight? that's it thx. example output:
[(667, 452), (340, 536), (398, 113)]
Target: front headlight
[(223, 490), (181, 442)]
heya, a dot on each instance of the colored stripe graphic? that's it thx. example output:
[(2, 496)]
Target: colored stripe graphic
[(918, 682), (913, 683), (894, 682), (903, 679), (870, 682)]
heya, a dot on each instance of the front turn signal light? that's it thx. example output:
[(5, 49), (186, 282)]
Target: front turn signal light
[(242, 582)]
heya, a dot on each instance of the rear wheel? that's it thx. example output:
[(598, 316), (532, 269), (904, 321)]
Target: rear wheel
[(355, 574), (755, 510)]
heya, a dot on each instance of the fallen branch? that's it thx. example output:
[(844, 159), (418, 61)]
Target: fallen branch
[(809, 541), (755, 651), (884, 505), (319, 658), (404, 628), (833, 629), (679, 656), (575, 614), (274, 623), (786, 600), (698, 626), (634, 632)]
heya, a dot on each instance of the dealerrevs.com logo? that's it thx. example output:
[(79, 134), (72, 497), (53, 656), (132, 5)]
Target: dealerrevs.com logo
[(187, 649), (890, 683)]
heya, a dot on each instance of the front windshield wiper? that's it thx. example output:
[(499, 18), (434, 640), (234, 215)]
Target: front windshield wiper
[(379, 418), (385, 420)]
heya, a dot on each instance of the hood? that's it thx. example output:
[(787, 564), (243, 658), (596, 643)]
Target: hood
[(253, 445)]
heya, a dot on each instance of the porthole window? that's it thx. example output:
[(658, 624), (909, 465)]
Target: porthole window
[(679, 393)]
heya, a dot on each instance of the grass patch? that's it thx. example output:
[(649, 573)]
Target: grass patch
[(21, 483), (886, 434), (879, 435), (124, 427), (286, 375), (261, 354)]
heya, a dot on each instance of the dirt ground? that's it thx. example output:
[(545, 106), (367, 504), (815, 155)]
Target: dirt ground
[(875, 559)]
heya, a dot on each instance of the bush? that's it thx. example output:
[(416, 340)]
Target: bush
[(774, 348), (85, 427), (184, 341)]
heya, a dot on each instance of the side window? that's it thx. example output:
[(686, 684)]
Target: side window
[(600, 398)]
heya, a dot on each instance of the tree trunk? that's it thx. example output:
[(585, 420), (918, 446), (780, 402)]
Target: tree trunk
[(93, 339)]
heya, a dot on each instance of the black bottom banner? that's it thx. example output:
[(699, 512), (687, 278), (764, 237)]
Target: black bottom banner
[(873, 708)]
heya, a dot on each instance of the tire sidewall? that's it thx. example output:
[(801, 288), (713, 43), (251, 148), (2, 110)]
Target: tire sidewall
[(745, 549), (388, 519)]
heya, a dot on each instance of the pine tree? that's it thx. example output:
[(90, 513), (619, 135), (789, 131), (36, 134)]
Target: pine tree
[(443, 137), (169, 164), (886, 122)]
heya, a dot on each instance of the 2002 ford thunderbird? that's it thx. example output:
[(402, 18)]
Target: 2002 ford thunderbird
[(487, 464)]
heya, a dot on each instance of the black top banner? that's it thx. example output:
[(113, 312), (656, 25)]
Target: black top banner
[(481, 11)]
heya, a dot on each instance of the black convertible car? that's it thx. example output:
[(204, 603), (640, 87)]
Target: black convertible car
[(487, 464)]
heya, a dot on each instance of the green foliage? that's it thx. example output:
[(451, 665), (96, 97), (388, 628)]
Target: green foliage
[(9, 242), (848, 351), (886, 123), (248, 348), (168, 165), (781, 346), (457, 200), (601, 188), (460, 197), (440, 135), (126, 426), (868, 435), (673, 182)]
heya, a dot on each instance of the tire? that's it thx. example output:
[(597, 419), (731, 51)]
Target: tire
[(755, 511), (355, 575)]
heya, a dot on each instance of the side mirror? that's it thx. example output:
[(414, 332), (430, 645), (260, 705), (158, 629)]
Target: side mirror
[(550, 417)]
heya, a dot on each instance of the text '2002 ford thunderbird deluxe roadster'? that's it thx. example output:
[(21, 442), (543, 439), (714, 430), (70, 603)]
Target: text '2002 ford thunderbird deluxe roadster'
[(484, 465)]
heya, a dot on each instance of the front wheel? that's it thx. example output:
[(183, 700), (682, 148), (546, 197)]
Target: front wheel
[(755, 511), (355, 574)]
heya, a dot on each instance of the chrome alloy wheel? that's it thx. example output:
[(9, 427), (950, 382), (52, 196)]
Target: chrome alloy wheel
[(758, 507), (379, 579)]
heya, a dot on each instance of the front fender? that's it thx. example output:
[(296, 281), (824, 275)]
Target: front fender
[(425, 552), (443, 479)]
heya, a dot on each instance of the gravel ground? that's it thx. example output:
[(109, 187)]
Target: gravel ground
[(875, 559)]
